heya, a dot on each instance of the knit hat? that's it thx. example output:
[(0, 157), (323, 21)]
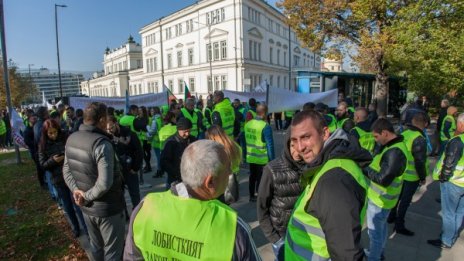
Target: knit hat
[(184, 124)]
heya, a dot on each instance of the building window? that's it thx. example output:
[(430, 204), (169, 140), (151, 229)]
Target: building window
[(169, 61), (210, 84), (148, 65), (271, 80), (259, 51), (180, 86), (179, 59), (215, 16), (285, 58), (192, 84), (209, 52), (296, 60), (171, 85), (139, 64), (278, 57), (278, 81), (285, 82), (125, 65), (156, 87), (224, 82), (224, 50), (250, 51), (155, 64), (255, 47), (190, 56), (217, 82), (140, 88), (216, 51), (270, 55)]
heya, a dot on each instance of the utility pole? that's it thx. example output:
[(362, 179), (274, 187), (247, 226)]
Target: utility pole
[(30, 82), (58, 49)]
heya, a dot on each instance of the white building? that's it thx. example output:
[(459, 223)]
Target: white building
[(216, 44)]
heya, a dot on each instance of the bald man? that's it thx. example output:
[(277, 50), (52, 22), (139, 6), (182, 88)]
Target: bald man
[(362, 131), (343, 117)]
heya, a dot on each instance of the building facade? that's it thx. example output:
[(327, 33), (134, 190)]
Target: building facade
[(215, 45), (49, 84)]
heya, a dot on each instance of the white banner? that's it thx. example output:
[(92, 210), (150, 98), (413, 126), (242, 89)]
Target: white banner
[(286, 100), (147, 100), (245, 96)]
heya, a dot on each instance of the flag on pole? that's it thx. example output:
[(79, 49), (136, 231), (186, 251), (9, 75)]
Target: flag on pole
[(17, 125), (187, 93), (169, 95)]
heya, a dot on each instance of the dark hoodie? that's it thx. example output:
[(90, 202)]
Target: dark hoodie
[(338, 198), (278, 192)]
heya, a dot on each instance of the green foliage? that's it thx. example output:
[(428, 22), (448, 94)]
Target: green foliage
[(21, 89)]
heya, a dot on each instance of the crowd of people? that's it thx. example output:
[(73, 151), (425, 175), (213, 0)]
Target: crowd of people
[(338, 170)]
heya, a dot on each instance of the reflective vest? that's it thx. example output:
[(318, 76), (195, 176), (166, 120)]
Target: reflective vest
[(351, 109), (411, 173), (206, 120), (332, 125), (2, 127), (305, 239), (256, 150), (387, 197), (193, 119), (341, 122), (226, 111), (155, 142), (458, 173), (164, 110), (128, 121), (236, 165), (451, 130), (366, 139), (165, 132), (242, 122), (289, 114), (169, 227)]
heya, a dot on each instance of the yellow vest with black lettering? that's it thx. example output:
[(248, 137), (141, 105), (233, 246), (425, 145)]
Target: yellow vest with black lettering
[(451, 130), (366, 139), (387, 198), (165, 132), (256, 150), (193, 119), (305, 239), (458, 173), (226, 111), (2, 127), (411, 173), (333, 123), (177, 228), (155, 142)]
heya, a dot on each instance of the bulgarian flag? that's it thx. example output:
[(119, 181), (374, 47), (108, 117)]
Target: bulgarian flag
[(187, 93), (169, 95)]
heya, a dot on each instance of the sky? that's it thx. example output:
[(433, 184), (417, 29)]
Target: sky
[(85, 28)]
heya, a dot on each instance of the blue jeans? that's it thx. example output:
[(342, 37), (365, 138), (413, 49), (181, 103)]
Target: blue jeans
[(278, 250), (158, 157), (71, 209), (51, 187), (377, 230), (452, 207), (241, 137)]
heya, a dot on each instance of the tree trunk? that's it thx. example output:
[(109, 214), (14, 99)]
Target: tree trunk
[(381, 87)]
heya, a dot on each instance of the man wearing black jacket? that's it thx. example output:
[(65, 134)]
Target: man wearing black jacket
[(386, 175), (417, 145), (278, 192), (174, 148), (334, 196)]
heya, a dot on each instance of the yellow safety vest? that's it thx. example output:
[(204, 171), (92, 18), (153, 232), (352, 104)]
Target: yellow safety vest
[(226, 111), (2, 127), (458, 173), (333, 123), (206, 121), (451, 130), (155, 142), (193, 119), (166, 132), (366, 139), (411, 173), (305, 239), (256, 150), (169, 227)]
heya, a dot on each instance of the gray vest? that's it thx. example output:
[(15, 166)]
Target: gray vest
[(80, 154)]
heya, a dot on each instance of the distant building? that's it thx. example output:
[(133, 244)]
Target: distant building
[(210, 45), (332, 65), (48, 82)]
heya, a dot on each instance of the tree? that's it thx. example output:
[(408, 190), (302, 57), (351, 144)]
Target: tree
[(20, 88), (373, 27)]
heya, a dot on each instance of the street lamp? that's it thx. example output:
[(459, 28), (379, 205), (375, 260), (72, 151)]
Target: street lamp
[(58, 49), (30, 81), (210, 53)]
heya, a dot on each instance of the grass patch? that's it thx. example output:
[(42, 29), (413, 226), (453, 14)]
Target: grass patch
[(38, 230)]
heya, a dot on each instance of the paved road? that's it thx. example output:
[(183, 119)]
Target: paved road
[(423, 218)]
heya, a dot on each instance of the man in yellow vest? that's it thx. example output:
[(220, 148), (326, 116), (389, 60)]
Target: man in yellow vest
[(223, 113), (386, 176), (187, 222), (447, 128), (362, 131), (189, 113), (449, 171), (259, 148), (343, 117), (327, 219), (416, 170)]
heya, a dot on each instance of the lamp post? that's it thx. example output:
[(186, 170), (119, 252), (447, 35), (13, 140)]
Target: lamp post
[(58, 49), (210, 53), (30, 81)]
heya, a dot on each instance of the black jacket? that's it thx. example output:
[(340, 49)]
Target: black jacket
[(392, 164), (338, 198), (441, 115), (28, 135), (47, 163), (172, 154), (279, 190), (453, 154), (130, 156), (419, 153)]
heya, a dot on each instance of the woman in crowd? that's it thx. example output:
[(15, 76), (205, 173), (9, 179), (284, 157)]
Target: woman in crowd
[(51, 158)]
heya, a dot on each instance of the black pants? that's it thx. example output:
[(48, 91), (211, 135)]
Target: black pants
[(288, 121), (131, 182), (147, 154), (40, 171), (256, 170), (399, 211)]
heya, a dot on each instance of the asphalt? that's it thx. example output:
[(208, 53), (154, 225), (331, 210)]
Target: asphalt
[(423, 217)]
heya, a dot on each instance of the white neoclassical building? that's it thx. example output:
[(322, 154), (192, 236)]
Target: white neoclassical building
[(210, 45)]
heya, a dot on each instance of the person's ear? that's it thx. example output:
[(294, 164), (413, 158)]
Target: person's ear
[(209, 182)]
